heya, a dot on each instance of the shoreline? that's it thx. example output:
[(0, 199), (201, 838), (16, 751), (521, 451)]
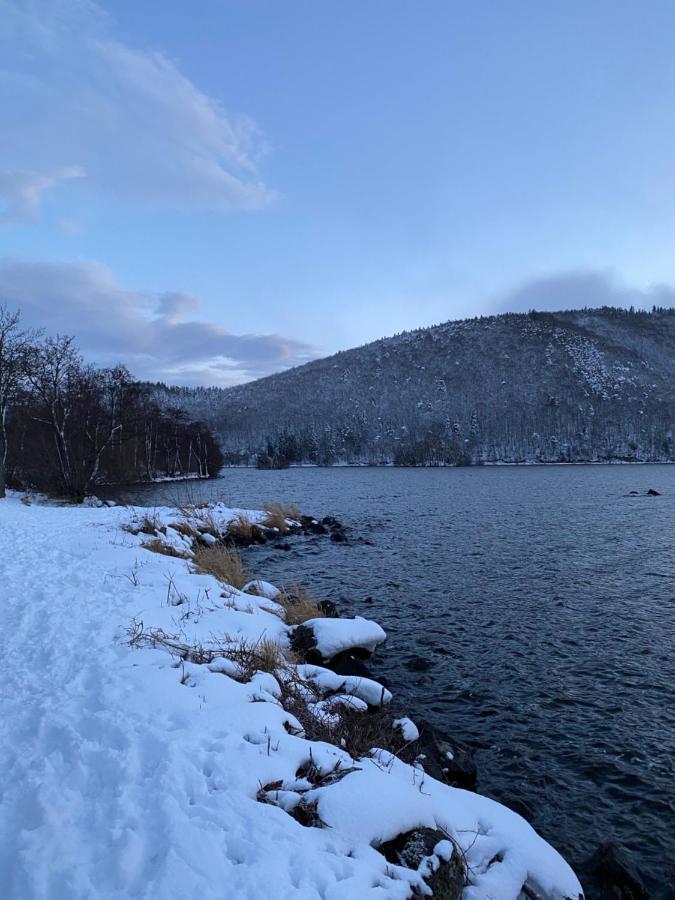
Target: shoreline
[(174, 666), (605, 866), (479, 465)]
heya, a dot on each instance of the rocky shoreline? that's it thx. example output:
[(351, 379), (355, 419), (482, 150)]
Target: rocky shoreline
[(607, 873), (440, 756), (332, 655), (223, 725)]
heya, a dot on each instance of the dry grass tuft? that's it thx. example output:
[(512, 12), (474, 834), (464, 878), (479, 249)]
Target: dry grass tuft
[(242, 529), (201, 519), (208, 524), (157, 545), (292, 512), (186, 528), (277, 514), (148, 523), (223, 563), (264, 655), (299, 606), (275, 517), (356, 731)]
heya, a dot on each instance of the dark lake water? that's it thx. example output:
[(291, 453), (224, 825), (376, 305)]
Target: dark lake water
[(543, 599)]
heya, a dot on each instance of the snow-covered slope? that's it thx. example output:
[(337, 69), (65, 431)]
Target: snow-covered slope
[(127, 772), (595, 384)]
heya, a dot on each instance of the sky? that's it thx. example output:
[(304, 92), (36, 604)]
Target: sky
[(213, 191)]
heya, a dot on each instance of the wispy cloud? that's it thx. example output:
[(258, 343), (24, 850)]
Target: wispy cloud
[(584, 288), (73, 95), (153, 334), (21, 192)]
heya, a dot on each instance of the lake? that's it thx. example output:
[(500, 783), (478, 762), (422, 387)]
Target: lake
[(542, 600)]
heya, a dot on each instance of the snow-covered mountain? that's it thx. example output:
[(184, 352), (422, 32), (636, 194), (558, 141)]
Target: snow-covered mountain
[(592, 384)]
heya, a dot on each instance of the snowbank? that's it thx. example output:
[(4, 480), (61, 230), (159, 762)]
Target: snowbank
[(139, 771)]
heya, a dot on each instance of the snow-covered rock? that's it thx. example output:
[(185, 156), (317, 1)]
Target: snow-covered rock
[(332, 636), (408, 729), (366, 689), (262, 589)]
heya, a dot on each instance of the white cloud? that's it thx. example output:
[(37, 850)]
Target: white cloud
[(174, 306), (151, 333), (21, 192), (584, 288), (72, 94)]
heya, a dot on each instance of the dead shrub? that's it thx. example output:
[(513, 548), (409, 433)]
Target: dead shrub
[(299, 606), (185, 528), (319, 777), (360, 732), (149, 523), (353, 729), (264, 655), (157, 545), (202, 520), (292, 512), (222, 562), (243, 530), (307, 814)]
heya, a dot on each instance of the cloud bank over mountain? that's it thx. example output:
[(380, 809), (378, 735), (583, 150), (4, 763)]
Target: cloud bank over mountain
[(156, 334), (583, 288)]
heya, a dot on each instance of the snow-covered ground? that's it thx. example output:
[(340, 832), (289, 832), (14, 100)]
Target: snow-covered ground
[(128, 772)]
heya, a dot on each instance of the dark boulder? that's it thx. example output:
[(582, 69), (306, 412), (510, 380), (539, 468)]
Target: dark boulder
[(612, 877), (347, 663), (312, 526), (329, 609), (412, 849), (303, 642), (331, 522), (338, 536), (247, 537)]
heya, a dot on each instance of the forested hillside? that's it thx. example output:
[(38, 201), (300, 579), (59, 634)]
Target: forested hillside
[(592, 384)]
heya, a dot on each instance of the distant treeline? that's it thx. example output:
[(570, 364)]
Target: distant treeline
[(66, 426)]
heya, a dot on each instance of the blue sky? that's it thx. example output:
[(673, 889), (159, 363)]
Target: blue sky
[(218, 190)]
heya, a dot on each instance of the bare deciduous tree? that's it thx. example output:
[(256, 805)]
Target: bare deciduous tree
[(81, 405), (13, 345), (49, 369)]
